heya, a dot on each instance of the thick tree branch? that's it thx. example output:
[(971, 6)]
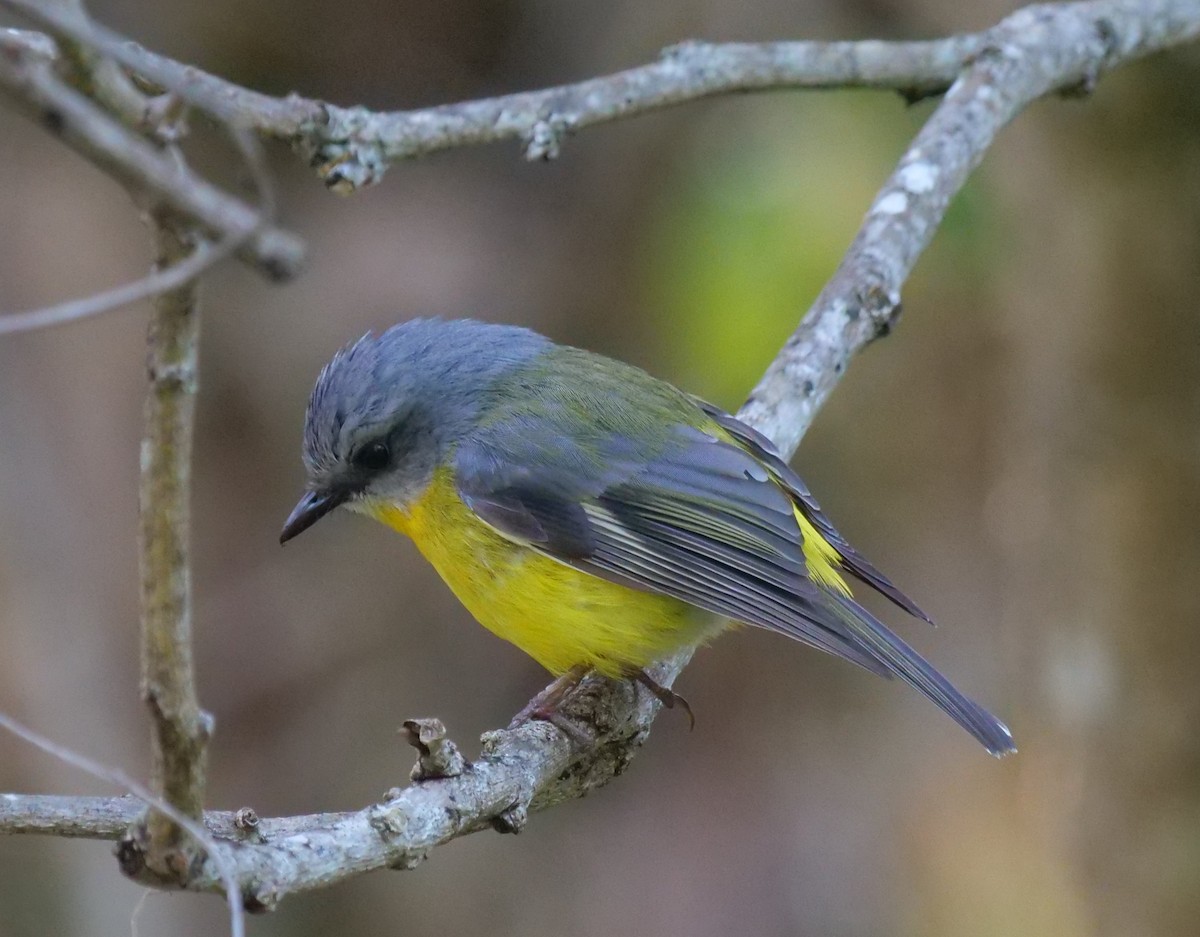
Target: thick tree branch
[(71, 817), (1035, 51), (110, 818)]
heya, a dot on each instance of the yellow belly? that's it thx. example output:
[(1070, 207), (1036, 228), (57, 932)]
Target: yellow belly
[(557, 615)]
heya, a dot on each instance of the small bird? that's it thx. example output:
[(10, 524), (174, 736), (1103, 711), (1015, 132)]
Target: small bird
[(589, 513)]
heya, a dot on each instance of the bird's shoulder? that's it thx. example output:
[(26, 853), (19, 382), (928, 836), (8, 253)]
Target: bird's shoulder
[(578, 393)]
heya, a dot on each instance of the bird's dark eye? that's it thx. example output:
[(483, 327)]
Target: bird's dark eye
[(373, 457)]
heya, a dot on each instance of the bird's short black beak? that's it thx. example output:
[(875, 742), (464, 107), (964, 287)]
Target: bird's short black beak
[(312, 507)]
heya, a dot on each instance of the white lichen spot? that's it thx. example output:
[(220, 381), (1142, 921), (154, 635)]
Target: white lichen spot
[(918, 177), (894, 203)]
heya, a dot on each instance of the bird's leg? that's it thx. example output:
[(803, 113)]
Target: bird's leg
[(545, 705), (668, 697)]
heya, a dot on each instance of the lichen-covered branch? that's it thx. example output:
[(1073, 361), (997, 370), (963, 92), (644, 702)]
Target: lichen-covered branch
[(1036, 51)]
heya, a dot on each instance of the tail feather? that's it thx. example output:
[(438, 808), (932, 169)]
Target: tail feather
[(877, 639)]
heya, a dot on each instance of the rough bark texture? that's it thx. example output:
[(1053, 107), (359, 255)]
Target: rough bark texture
[(180, 727)]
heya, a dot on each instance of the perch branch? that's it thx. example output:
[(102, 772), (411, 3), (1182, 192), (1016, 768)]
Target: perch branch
[(1033, 52)]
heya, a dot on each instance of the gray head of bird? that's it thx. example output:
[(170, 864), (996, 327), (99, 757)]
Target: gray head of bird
[(388, 410)]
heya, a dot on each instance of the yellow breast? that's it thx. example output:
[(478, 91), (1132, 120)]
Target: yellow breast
[(557, 615)]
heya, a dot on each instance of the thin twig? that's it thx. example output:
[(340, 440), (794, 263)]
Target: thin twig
[(204, 256), (29, 80), (114, 776)]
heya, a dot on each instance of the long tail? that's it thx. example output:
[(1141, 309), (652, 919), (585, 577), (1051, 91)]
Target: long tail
[(900, 659)]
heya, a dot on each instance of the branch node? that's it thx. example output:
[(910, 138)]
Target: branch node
[(545, 137), (881, 305), (1110, 44), (389, 821), (165, 117), (344, 147), (511, 820), (491, 741), (246, 820), (409, 859), (392, 823), (131, 859), (438, 757), (261, 898), (682, 51)]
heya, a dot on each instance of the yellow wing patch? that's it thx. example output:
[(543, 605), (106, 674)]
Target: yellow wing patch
[(822, 559)]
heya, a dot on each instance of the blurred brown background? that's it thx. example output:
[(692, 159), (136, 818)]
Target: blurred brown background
[(1022, 456)]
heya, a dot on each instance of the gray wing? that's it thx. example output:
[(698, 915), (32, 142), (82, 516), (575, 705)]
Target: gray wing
[(765, 451), (702, 520)]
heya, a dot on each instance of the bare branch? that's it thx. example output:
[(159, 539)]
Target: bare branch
[(70, 817), (102, 812), (29, 80), (353, 147), (181, 728)]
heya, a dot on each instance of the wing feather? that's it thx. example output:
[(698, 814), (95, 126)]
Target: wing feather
[(663, 566), (857, 564)]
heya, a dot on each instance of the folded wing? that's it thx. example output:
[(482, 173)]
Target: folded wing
[(709, 517)]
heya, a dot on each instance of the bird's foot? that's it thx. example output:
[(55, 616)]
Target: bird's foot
[(665, 695), (545, 706)]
